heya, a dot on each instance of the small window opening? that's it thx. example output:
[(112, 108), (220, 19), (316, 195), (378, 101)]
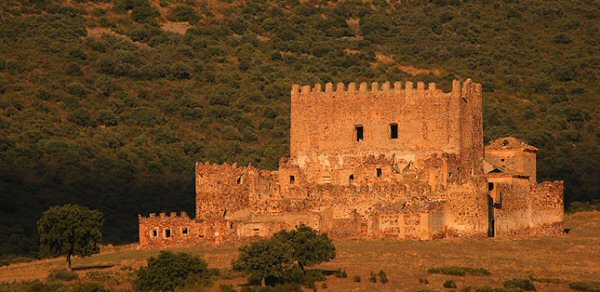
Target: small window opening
[(239, 180), (185, 231), (360, 133), (379, 172), (168, 233), (393, 131), (224, 213), (502, 159), (155, 232), (490, 186), (351, 179), (292, 180)]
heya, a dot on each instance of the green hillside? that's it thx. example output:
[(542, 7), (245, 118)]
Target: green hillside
[(109, 104)]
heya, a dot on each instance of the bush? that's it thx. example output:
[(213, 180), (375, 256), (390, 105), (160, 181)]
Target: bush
[(184, 13), (62, 275), (459, 271), (383, 277), (449, 284), (339, 273), (585, 286), (227, 288), (523, 284), (357, 279), (373, 277), (170, 270)]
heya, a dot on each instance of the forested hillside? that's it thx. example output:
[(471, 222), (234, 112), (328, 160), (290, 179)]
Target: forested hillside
[(109, 104)]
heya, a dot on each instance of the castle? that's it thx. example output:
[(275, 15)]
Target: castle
[(386, 162)]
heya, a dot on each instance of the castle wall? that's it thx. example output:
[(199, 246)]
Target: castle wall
[(547, 200), (516, 160)]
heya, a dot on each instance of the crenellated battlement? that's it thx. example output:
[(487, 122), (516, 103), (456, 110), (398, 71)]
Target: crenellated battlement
[(161, 216), (386, 87)]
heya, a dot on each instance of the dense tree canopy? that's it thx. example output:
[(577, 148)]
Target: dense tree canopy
[(308, 247), (265, 258), (171, 270), (70, 230), (102, 103)]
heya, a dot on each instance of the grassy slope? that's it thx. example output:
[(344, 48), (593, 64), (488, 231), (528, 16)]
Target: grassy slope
[(570, 258), (220, 92)]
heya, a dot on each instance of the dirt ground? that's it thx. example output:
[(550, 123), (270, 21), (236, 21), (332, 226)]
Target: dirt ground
[(570, 257)]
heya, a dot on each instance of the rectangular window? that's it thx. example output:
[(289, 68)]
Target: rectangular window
[(155, 232), (292, 180), (360, 134), (185, 231), (393, 131), (167, 233), (379, 172)]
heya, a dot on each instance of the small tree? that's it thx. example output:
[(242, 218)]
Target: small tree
[(171, 270), (264, 258), (309, 247), (70, 230)]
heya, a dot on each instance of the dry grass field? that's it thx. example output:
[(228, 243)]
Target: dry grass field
[(572, 257)]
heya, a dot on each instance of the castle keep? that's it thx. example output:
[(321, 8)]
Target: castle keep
[(385, 161)]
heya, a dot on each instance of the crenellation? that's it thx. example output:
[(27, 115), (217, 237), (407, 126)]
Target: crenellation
[(407, 163)]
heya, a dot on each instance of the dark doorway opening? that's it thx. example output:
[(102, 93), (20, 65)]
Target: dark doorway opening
[(351, 179), (292, 180), (360, 133), (379, 172), (491, 219), (393, 131)]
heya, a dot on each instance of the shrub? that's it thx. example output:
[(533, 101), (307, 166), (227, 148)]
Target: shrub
[(373, 277), (324, 285), (459, 271), (524, 284), (184, 13), (383, 277), (170, 270), (339, 273), (585, 286), (449, 284), (82, 118), (62, 275), (357, 279)]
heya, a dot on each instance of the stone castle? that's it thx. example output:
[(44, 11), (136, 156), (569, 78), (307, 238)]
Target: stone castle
[(380, 162)]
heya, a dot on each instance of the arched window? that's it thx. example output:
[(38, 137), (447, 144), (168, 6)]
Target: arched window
[(351, 179)]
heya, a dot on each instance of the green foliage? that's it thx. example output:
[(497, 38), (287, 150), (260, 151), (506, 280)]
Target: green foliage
[(373, 277), (383, 277), (339, 273), (523, 284), (70, 230), (90, 287), (449, 284), (227, 288), (584, 206), (265, 258), (184, 13), (459, 271), (308, 247), (171, 270), (62, 275), (585, 286), (357, 279)]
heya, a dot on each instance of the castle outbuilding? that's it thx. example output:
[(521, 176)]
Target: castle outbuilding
[(389, 161)]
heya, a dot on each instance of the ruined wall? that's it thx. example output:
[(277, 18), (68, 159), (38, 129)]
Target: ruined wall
[(515, 160), (547, 200), (513, 211)]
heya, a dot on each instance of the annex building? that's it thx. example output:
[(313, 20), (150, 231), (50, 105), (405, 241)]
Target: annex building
[(385, 161)]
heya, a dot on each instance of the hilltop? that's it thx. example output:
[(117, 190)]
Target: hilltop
[(110, 103)]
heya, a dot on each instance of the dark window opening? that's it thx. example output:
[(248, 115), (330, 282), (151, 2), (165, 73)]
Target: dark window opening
[(394, 131), (379, 172), (490, 186), (155, 232), (239, 180), (351, 179), (292, 180), (185, 231), (167, 233), (502, 159), (360, 133), (224, 213)]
